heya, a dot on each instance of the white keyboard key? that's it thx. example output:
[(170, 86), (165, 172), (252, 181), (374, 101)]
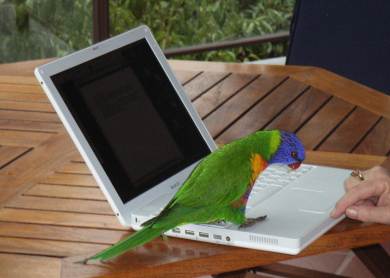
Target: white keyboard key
[(257, 196)]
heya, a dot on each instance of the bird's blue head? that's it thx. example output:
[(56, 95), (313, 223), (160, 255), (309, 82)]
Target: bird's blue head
[(290, 151)]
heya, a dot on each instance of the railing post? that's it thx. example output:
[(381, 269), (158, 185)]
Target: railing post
[(100, 14)]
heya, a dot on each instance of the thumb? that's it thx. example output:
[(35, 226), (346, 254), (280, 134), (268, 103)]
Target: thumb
[(367, 213)]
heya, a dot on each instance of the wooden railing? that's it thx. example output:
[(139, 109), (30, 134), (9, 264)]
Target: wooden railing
[(101, 31)]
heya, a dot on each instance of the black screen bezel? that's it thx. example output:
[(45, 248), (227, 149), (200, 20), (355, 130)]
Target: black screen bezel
[(95, 144)]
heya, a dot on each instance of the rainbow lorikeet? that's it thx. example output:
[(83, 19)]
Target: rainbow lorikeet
[(219, 187)]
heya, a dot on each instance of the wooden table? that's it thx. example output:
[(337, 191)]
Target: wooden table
[(52, 213)]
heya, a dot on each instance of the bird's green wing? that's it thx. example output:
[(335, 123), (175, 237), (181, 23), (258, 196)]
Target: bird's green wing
[(220, 178)]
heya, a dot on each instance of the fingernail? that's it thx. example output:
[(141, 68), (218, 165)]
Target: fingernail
[(333, 213), (351, 212)]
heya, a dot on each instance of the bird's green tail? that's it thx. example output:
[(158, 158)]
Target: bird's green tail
[(139, 238)]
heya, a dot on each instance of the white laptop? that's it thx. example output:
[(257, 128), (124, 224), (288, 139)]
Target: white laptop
[(141, 137)]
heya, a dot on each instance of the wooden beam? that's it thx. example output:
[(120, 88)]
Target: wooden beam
[(375, 258), (100, 11)]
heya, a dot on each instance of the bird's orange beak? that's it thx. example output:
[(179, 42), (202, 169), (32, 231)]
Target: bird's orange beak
[(295, 165)]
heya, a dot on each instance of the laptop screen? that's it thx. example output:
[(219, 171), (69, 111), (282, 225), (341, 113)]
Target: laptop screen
[(132, 118)]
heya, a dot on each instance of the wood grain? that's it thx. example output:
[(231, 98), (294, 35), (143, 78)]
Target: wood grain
[(9, 154), (220, 93), (26, 125), (25, 97), (26, 106), (377, 141), (14, 79), (47, 247), (186, 75), (19, 138), (65, 191), (60, 204), (74, 168), (33, 166), (71, 179), (348, 90), (323, 123), (350, 132), (61, 233), (263, 112), (203, 83), (341, 160), (31, 116), (68, 219), (20, 88), (21, 69), (300, 111), (12, 265), (238, 105)]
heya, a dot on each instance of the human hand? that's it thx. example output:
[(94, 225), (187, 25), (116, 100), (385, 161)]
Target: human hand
[(367, 200)]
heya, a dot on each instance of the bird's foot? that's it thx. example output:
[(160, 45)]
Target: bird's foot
[(218, 223), (251, 221)]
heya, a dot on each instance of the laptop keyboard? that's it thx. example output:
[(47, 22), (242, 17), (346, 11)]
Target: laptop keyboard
[(272, 180)]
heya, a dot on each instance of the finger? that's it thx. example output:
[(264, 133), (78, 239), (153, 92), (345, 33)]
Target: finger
[(350, 183), (364, 190), (369, 214), (367, 202)]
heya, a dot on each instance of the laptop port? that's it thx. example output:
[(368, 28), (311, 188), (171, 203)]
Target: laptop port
[(189, 232), (176, 230), (203, 234), (219, 237)]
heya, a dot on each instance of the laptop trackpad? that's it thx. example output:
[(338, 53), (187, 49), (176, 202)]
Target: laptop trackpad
[(314, 201)]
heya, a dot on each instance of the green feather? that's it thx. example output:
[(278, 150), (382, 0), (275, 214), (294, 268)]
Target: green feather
[(141, 237), (207, 195)]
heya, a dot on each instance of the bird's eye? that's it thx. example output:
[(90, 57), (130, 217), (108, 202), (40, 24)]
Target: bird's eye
[(294, 154)]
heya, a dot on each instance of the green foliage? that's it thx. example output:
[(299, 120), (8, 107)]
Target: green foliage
[(34, 29), (179, 23), (31, 29)]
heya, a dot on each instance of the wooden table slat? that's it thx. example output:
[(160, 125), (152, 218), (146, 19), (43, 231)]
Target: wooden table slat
[(31, 116), (296, 114), (262, 113), (63, 204), (220, 93), (68, 219), (26, 106), (32, 266), (349, 133), (66, 191), (378, 141), (74, 168), (186, 75), (71, 179), (10, 153), (25, 97), (202, 83), (19, 138), (220, 119), (20, 88), (47, 247), (321, 125), (27, 125), (62, 233)]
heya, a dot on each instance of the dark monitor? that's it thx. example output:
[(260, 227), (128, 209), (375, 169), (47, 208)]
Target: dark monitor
[(132, 117)]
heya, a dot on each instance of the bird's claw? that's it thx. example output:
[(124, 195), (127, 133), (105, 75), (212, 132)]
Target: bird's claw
[(251, 221)]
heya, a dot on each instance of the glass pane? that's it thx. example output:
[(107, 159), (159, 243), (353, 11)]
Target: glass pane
[(179, 23), (33, 29)]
